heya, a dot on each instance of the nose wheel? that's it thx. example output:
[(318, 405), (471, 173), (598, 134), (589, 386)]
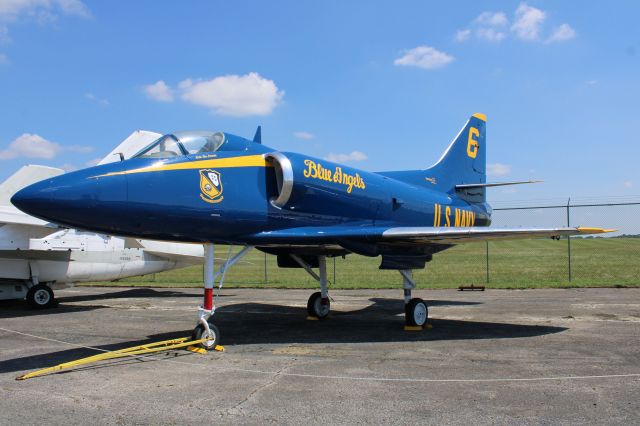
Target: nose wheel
[(317, 306), (210, 332)]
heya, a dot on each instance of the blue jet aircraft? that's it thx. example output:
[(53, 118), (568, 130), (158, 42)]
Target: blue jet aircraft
[(218, 188)]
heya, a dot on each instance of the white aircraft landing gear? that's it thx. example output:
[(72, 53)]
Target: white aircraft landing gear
[(40, 296), (205, 329), (318, 305), (416, 312)]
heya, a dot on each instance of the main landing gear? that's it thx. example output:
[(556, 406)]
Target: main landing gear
[(40, 296), (416, 312), (318, 305), (204, 328)]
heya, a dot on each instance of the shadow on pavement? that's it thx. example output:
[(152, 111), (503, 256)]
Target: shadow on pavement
[(19, 308), (256, 323)]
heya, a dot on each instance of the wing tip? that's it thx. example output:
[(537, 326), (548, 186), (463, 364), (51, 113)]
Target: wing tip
[(588, 230)]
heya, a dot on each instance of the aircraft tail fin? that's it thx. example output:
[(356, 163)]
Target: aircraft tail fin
[(24, 177), (463, 163)]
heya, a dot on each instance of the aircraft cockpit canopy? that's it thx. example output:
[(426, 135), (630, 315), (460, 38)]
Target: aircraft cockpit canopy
[(183, 143)]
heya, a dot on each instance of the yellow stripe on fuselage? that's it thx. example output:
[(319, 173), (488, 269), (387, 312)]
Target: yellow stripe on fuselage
[(216, 163)]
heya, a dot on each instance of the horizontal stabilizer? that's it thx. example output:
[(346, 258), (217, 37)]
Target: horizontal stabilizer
[(487, 185)]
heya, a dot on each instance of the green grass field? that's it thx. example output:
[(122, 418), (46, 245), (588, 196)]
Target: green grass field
[(597, 262)]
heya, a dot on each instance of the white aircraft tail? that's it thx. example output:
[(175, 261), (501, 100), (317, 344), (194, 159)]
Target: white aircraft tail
[(130, 146), (24, 177)]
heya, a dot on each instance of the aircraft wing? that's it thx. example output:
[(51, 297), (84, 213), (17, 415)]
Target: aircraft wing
[(23, 177), (412, 235), (130, 146), (461, 235), (15, 216), (191, 254)]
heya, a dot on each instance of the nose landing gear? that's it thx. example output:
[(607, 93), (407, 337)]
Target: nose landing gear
[(204, 328)]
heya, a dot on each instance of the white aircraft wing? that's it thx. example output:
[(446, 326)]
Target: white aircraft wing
[(130, 146), (23, 177), (184, 253)]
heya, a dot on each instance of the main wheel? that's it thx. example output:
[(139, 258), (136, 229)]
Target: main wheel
[(416, 312), (316, 308), (212, 336), (40, 296)]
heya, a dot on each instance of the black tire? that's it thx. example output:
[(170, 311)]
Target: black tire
[(315, 308), (199, 333), (416, 312), (40, 296)]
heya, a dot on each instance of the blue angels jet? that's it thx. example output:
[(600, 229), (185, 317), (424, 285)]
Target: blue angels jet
[(218, 188)]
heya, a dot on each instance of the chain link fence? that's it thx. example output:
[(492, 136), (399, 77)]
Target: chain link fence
[(611, 260)]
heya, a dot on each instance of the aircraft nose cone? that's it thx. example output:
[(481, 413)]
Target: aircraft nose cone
[(34, 199), (65, 199)]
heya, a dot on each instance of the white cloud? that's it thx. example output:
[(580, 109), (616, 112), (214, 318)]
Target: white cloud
[(234, 95), (497, 19), (498, 169), (462, 35), (30, 146), (82, 149), (563, 33), (40, 11), (35, 146), (94, 98), (528, 22), (425, 57), (490, 34), (3, 59), (159, 91), (346, 158), (628, 184), (592, 82), (75, 8), (304, 135)]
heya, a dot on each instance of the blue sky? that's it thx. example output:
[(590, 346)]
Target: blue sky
[(382, 85)]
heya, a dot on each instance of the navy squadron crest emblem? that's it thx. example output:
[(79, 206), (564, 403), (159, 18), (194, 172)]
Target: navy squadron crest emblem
[(210, 186)]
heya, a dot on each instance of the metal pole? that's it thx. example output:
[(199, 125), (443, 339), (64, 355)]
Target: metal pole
[(334, 270), (487, 242), (266, 277), (569, 236)]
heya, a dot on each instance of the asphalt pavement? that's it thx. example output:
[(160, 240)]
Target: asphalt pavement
[(495, 357)]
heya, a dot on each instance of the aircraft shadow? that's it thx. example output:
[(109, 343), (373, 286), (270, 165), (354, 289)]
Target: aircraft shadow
[(383, 321), (256, 323), (19, 308), (142, 292)]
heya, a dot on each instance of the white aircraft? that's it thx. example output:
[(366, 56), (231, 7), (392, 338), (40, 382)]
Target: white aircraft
[(37, 256)]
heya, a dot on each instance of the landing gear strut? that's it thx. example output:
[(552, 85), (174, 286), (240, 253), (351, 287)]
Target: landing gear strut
[(205, 329), (416, 312), (318, 305)]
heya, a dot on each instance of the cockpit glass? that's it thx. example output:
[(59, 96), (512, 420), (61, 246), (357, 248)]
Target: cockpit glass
[(200, 142), (165, 147)]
